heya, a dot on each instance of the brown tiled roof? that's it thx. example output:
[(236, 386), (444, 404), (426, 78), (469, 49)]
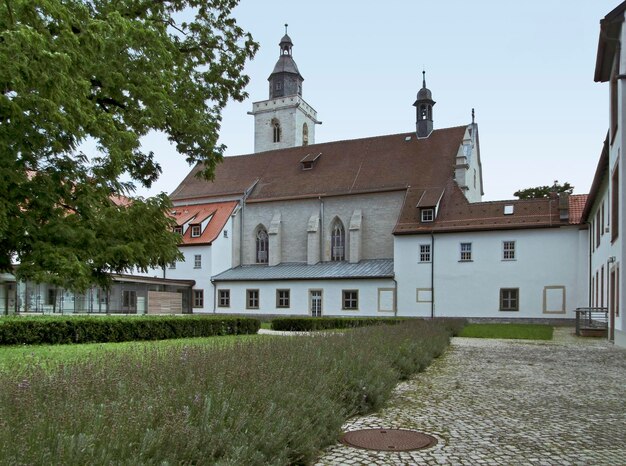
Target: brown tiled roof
[(197, 213), (457, 214), (380, 163), (576, 207)]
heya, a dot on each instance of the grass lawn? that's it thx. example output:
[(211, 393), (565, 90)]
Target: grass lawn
[(16, 358), (513, 331)]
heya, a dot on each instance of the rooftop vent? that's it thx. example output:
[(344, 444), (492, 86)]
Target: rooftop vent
[(508, 210), (408, 138)]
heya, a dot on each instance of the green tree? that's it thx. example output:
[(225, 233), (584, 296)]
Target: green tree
[(544, 191), (109, 72)]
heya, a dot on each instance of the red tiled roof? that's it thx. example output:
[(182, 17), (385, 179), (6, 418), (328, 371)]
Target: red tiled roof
[(380, 163), (457, 214), (576, 207), (197, 213)]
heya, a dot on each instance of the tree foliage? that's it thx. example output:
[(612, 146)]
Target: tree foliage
[(544, 191), (109, 72)]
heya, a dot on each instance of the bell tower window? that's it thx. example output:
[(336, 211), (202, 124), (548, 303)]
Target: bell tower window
[(276, 130)]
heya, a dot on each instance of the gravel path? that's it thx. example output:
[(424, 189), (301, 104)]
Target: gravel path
[(508, 402)]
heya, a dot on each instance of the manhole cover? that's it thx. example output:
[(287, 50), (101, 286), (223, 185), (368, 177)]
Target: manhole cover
[(388, 439)]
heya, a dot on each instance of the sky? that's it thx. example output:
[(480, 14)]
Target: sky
[(525, 67)]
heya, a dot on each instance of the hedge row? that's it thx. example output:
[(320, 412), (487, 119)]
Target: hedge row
[(62, 330), (307, 324)]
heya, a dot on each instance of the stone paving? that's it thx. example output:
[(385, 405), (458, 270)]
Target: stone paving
[(508, 402)]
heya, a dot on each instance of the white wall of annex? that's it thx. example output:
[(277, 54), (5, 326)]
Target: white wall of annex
[(544, 258), (299, 297)]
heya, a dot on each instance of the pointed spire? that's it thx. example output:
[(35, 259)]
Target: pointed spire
[(286, 25), (472, 116), (423, 79)]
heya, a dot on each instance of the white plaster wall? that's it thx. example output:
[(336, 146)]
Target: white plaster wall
[(299, 297), (186, 271), (544, 257)]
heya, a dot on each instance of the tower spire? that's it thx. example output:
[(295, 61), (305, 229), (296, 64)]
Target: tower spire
[(424, 108)]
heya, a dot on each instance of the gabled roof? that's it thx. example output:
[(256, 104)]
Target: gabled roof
[(383, 163), (576, 207), (608, 42), (197, 213), (602, 171), (457, 214)]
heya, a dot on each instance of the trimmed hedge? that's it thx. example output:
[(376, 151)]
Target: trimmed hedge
[(63, 330), (307, 324)]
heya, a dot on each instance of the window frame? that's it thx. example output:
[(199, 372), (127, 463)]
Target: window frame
[(178, 229), (250, 298), (615, 203), (262, 246), (337, 241), (427, 215), (510, 252), (197, 298), (196, 231), (465, 252), (510, 300), (129, 298), (197, 261), (350, 300), (223, 298), (425, 255), (283, 302)]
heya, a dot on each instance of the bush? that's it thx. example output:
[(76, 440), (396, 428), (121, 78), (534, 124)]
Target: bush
[(268, 400), (62, 330), (308, 324)]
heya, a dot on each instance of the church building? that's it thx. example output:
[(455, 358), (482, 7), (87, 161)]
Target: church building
[(380, 226)]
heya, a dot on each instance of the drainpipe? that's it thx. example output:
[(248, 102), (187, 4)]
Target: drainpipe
[(590, 292), (432, 275), (395, 297), (321, 258), (214, 296)]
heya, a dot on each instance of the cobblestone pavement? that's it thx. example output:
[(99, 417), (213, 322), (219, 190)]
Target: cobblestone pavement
[(508, 402)]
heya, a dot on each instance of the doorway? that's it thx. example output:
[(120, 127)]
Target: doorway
[(315, 303)]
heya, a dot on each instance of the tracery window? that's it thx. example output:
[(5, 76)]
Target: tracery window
[(276, 130), (262, 246), (338, 242)]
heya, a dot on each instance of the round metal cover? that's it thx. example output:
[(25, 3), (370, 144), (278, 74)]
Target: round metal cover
[(388, 439)]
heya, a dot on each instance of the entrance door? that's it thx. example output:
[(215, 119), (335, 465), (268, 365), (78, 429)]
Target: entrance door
[(315, 303), (612, 305)]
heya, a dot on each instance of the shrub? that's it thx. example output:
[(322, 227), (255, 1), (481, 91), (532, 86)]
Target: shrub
[(268, 400), (308, 324), (61, 330)]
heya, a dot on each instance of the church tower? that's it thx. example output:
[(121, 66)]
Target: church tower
[(424, 108), (285, 119)]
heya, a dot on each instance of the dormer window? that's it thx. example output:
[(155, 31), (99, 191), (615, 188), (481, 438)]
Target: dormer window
[(178, 229), (428, 215), (307, 162), (195, 231)]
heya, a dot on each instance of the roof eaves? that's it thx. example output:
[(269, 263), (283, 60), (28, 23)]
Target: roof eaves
[(601, 171)]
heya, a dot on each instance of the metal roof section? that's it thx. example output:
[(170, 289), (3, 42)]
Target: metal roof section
[(371, 268)]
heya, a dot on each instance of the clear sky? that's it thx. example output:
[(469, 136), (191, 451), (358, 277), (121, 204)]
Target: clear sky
[(526, 67)]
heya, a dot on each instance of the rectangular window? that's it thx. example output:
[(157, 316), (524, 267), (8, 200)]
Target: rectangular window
[(597, 281), (350, 300), (598, 228), (178, 230), (252, 299), (424, 252), (172, 265), (282, 298), (603, 224), (428, 215), (51, 296), (195, 231), (198, 298), (602, 286), (223, 298), (197, 261), (509, 299), (466, 252), (615, 203), (129, 298), (508, 250)]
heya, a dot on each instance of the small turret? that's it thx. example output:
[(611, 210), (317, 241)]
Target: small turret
[(424, 108)]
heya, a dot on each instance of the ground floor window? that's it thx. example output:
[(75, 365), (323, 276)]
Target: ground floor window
[(350, 300), (509, 299), (129, 298), (282, 298), (223, 298), (252, 299), (198, 298)]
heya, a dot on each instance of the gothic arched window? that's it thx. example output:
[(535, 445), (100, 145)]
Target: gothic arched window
[(338, 242), (276, 130), (262, 246), (305, 135)]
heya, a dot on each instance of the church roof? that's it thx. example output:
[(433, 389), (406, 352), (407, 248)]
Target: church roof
[(372, 268), (456, 213), (286, 64), (384, 163)]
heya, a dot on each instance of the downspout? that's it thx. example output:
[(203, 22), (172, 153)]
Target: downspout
[(321, 258), (214, 296), (432, 276), (590, 291), (395, 297)]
